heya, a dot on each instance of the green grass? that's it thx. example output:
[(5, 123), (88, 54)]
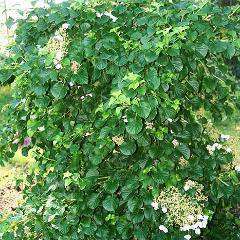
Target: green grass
[(5, 97), (231, 127)]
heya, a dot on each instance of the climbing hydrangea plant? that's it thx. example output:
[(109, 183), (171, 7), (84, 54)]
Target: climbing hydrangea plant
[(108, 97)]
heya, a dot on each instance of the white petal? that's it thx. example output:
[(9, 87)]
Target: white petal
[(198, 231), (237, 168), (58, 66), (65, 26), (154, 205), (164, 210)]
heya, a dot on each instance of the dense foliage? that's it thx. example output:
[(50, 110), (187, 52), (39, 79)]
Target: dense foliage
[(111, 98)]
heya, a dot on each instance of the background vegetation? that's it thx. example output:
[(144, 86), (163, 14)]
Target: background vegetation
[(118, 114)]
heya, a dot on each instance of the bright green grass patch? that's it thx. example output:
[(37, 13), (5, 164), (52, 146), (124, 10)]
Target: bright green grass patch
[(231, 127), (18, 160), (5, 97)]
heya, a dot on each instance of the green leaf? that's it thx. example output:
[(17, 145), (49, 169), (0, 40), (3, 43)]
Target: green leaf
[(130, 187), (230, 51), (101, 64), (85, 26), (39, 90), (140, 234), (111, 186), (226, 189), (137, 218), (150, 56), (59, 91), (152, 78), (93, 172), (143, 109), (93, 201), (82, 75), (143, 140), (128, 148), (194, 84), (9, 22), (134, 126), (131, 204), (202, 49), (110, 204), (219, 46), (177, 64), (95, 159), (184, 149)]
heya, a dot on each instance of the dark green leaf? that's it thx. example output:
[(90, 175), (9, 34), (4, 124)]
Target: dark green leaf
[(128, 148), (152, 78), (59, 91), (93, 201), (177, 64), (134, 126), (110, 204), (184, 149)]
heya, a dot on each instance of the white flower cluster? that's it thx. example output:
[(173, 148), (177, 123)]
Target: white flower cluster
[(34, 18), (217, 146), (201, 222), (125, 119), (237, 168), (212, 148), (188, 185), (224, 138), (33, 117), (183, 162), (119, 140), (41, 129), (155, 205), (108, 14), (57, 45), (196, 227), (181, 210), (228, 150), (74, 66), (57, 60), (175, 143), (163, 229), (87, 95), (59, 53), (65, 26), (149, 125)]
